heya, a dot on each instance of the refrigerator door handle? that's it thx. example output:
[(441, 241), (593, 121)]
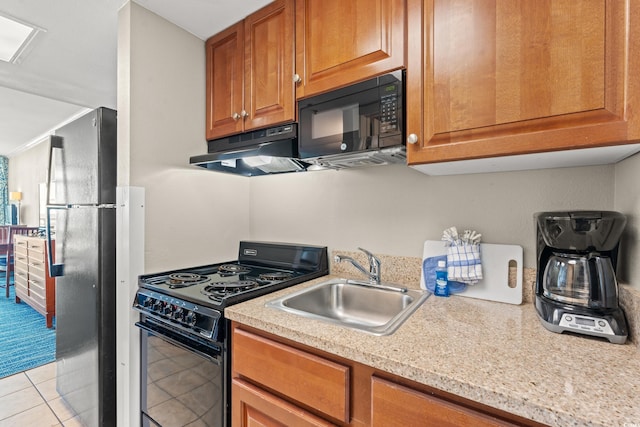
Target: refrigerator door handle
[(55, 270)]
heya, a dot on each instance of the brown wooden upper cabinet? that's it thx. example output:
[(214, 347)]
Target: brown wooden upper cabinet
[(340, 42), (502, 77), (250, 72)]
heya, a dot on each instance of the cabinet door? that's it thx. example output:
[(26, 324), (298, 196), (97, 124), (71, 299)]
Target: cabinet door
[(269, 96), (393, 404), (20, 267), (340, 42), (303, 377), (252, 406), (21, 282), (224, 80), (493, 78)]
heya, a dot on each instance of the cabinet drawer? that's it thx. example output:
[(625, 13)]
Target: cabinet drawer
[(20, 264), (20, 243), (20, 251), (37, 285), (20, 278), (21, 283), (37, 259), (37, 303), (37, 268), (393, 404), (37, 254), (22, 293), (36, 244), (308, 379), (36, 293), (252, 406)]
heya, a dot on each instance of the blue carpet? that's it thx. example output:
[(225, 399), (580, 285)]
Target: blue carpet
[(25, 341)]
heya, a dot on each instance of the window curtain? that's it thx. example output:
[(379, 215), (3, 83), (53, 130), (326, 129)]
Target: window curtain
[(4, 189)]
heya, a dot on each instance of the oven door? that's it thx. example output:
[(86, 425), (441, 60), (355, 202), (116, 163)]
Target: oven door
[(182, 380)]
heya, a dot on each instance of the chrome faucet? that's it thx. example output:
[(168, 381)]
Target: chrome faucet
[(374, 265)]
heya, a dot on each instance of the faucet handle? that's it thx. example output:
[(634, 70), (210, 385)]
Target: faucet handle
[(369, 255), (374, 262)]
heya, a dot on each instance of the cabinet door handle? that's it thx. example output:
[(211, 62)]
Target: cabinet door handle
[(412, 138), (297, 78), (244, 114), (235, 116)]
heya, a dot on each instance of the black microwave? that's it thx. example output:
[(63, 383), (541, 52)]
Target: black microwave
[(366, 116)]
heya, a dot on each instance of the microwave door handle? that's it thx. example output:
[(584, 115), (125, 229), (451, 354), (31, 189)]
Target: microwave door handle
[(55, 270)]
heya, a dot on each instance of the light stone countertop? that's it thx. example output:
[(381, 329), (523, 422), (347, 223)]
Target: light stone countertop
[(493, 353)]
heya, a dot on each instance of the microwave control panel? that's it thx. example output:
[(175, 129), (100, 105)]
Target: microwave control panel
[(389, 109)]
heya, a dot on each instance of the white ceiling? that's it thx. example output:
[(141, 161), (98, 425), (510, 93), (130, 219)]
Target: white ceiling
[(71, 67)]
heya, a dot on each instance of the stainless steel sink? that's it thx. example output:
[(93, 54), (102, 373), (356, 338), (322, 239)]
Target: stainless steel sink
[(375, 309)]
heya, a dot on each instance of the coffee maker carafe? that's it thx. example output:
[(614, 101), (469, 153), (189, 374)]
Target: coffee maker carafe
[(576, 286)]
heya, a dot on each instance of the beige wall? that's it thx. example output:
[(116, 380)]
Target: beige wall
[(394, 209), (192, 216), (26, 171), (627, 201)]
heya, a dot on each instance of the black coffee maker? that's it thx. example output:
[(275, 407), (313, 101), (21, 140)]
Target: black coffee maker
[(576, 286)]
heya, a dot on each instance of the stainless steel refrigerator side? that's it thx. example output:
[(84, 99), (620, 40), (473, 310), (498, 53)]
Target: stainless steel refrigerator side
[(85, 175), (85, 333)]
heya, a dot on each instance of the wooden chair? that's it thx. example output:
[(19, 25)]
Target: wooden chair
[(4, 234), (6, 250), (4, 241)]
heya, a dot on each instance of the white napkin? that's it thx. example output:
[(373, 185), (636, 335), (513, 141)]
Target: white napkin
[(464, 263)]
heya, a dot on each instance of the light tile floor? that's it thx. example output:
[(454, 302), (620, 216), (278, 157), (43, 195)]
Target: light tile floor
[(30, 399)]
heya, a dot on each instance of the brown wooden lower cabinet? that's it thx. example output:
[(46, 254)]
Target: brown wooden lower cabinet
[(308, 379), (393, 404), (277, 382), (253, 406)]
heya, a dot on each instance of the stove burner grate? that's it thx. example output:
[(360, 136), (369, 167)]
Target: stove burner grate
[(182, 280), (240, 284), (233, 269), (219, 290), (276, 275)]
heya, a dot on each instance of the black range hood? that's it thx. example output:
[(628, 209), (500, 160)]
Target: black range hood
[(255, 153)]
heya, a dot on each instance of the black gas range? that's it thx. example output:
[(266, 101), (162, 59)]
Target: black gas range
[(182, 317)]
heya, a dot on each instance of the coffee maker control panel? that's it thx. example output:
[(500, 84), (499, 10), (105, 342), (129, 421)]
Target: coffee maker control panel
[(586, 324)]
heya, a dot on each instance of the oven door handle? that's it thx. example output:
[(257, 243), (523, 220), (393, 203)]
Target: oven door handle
[(177, 343)]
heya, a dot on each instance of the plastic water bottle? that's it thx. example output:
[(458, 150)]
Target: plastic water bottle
[(442, 283)]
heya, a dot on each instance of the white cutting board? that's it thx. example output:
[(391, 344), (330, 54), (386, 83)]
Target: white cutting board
[(495, 271)]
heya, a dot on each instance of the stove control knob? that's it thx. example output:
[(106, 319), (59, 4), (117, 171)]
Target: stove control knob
[(167, 309), (157, 305), (178, 314), (190, 318), (147, 302)]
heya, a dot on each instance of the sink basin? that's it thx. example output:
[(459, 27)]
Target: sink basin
[(378, 310)]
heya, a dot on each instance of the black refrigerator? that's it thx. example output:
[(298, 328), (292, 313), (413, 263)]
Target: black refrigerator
[(83, 160)]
